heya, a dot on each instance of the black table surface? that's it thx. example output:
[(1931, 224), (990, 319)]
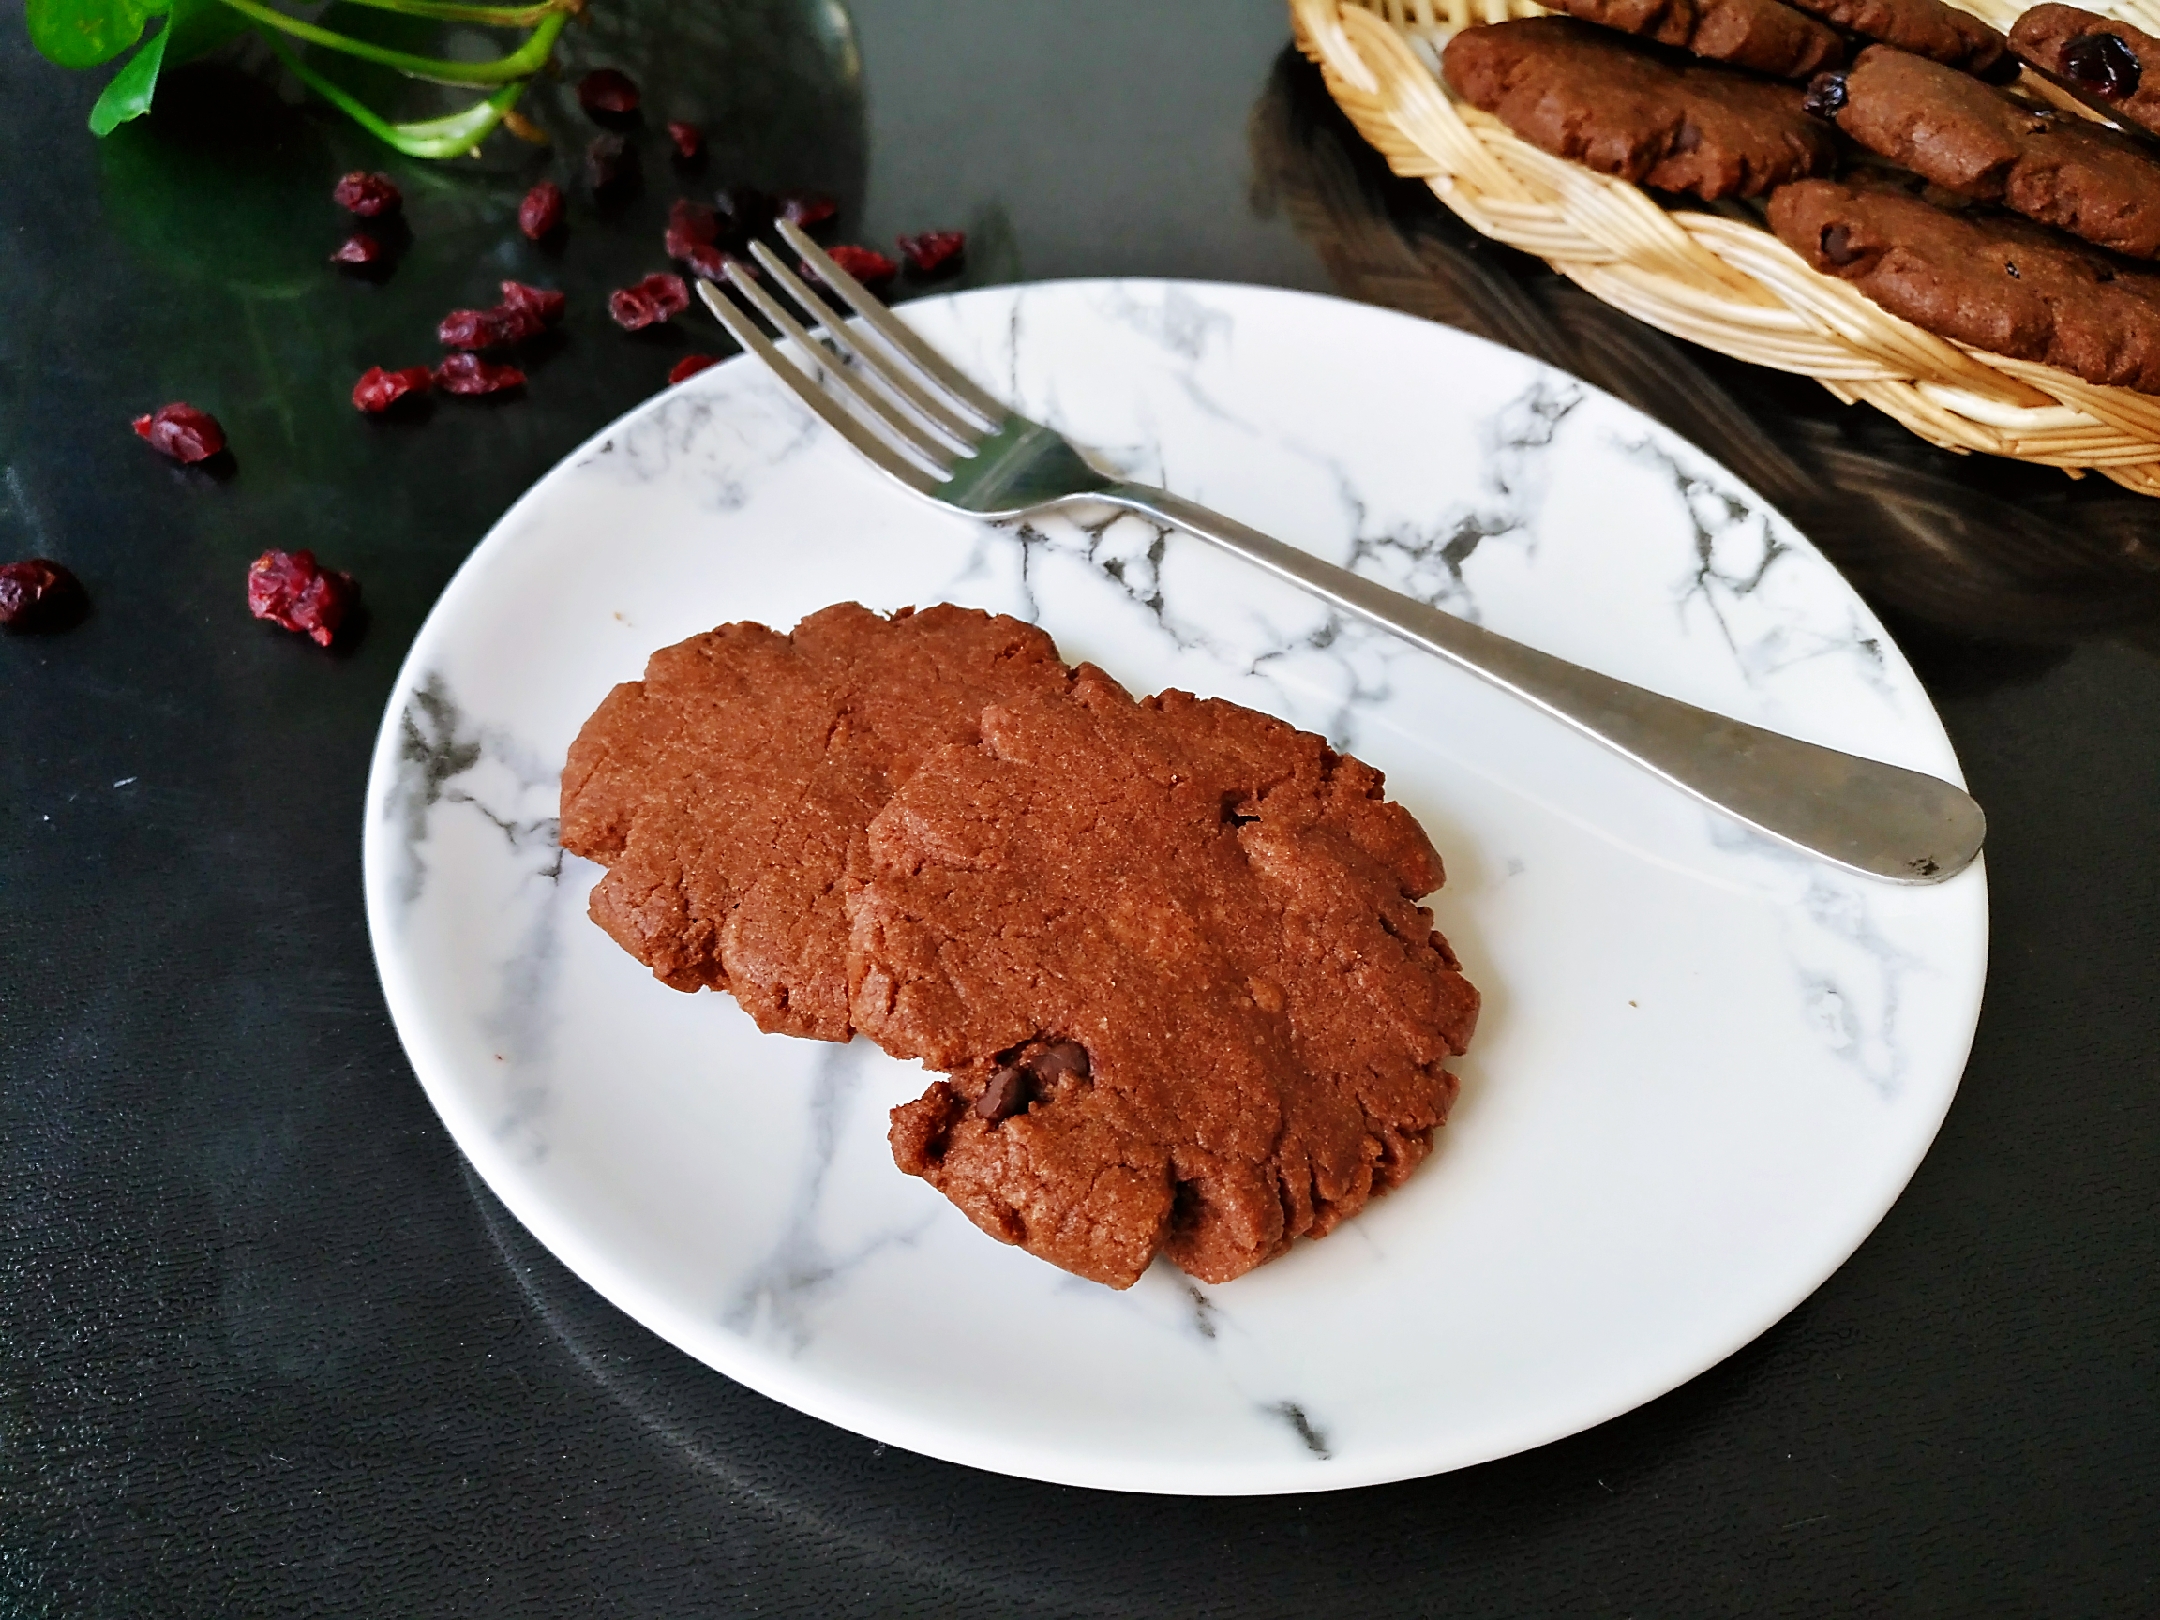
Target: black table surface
[(268, 1346)]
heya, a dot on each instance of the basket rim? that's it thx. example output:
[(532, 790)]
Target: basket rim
[(1701, 274)]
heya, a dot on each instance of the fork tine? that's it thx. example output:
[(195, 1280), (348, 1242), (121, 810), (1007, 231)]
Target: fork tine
[(745, 331), (894, 374), (883, 322), (896, 427)]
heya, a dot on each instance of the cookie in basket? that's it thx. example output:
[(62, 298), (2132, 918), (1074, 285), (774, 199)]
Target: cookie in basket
[(1627, 109), (1942, 33), (1979, 142), (1996, 282), (2101, 61), (1764, 36)]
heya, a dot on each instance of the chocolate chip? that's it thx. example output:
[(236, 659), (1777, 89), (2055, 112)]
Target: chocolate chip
[(1687, 140), (1187, 1205), (2012, 270), (1826, 95), (1059, 1059), (1005, 1095), (2104, 64), (1837, 245)]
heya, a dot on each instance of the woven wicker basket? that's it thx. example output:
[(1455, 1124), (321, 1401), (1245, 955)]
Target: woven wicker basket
[(1718, 279)]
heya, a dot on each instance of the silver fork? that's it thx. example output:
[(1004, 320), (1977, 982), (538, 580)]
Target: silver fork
[(916, 418)]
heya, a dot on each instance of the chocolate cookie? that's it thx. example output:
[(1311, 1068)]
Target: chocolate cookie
[(724, 789), (1765, 36), (1623, 108), (1170, 954), (2096, 58), (1990, 280), (1942, 33), (2054, 167)]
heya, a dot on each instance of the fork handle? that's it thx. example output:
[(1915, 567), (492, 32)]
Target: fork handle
[(1860, 813)]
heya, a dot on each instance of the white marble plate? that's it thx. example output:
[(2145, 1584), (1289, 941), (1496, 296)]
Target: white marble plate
[(1706, 1064)]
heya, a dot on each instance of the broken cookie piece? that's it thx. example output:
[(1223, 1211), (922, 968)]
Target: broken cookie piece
[(723, 790), (1170, 955)]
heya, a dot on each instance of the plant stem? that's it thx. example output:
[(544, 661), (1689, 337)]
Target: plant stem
[(451, 136), (487, 16), (526, 60)]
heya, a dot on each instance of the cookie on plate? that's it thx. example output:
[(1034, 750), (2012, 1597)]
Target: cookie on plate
[(1764, 36), (2100, 60), (1942, 33), (724, 789), (1960, 134), (1991, 280), (1171, 956), (1628, 109)]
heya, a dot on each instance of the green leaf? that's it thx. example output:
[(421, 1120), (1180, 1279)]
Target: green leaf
[(128, 96), (194, 27), (198, 26), (519, 65), (83, 33), (452, 136)]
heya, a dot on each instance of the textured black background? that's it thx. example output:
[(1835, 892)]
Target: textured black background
[(265, 1344)]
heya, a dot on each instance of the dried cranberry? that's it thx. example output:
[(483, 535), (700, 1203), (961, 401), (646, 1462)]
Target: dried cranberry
[(694, 220), (654, 299), (688, 138), (1837, 246), (807, 208), (288, 589), (689, 366), (1826, 95), (465, 329), (182, 432), (41, 595), (545, 303), (542, 210), (359, 250), (712, 262), (744, 210), (608, 93), (495, 328), (668, 292), (368, 195), (2104, 64), (631, 310), (934, 253), (517, 322), (690, 225), (866, 265), (469, 374), (609, 163), (378, 390)]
